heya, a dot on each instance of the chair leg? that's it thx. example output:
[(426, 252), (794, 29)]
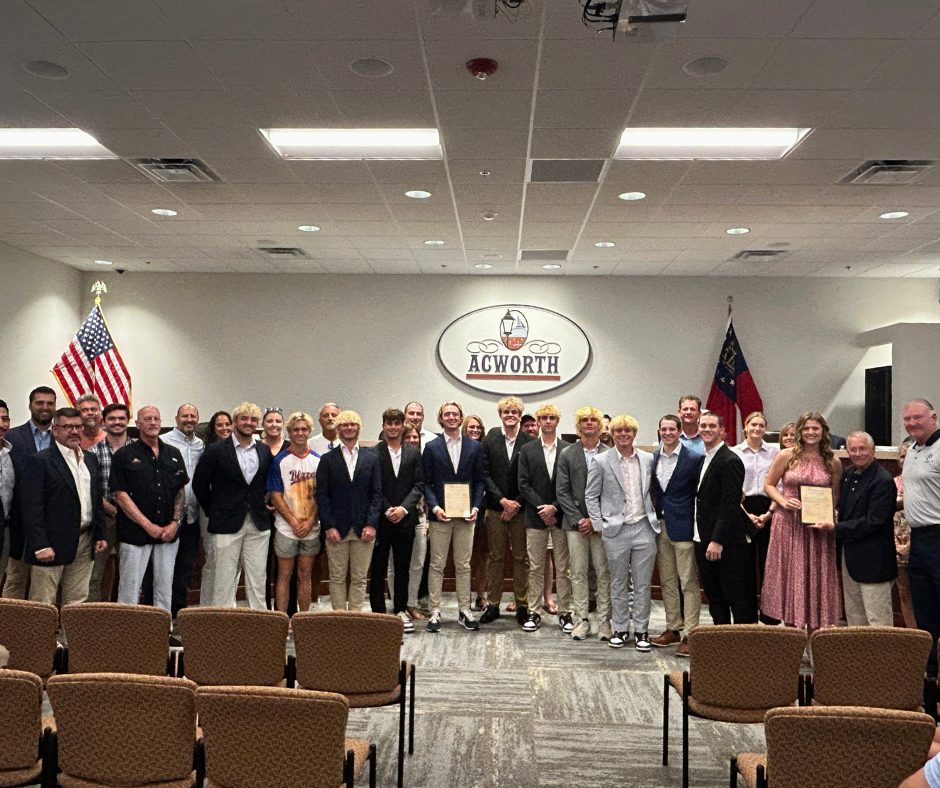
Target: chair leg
[(734, 773), (665, 719), (686, 689), (371, 766), (290, 671), (402, 686), (180, 665), (349, 769), (199, 762), (411, 715), (761, 777), (51, 765), (930, 697)]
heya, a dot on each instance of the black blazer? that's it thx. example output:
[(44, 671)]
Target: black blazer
[(536, 486), (438, 471), (349, 504), (405, 489), (221, 489), (23, 447), (865, 531), (500, 472), (52, 510), (720, 516)]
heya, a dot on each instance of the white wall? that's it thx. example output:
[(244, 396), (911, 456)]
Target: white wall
[(40, 311), (368, 342)]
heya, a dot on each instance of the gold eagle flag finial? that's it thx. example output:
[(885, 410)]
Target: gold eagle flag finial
[(98, 288)]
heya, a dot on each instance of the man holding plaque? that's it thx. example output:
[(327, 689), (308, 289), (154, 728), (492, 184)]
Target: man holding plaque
[(453, 492)]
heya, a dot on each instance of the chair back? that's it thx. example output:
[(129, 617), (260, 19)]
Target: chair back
[(110, 637), (27, 630), (845, 747), (258, 737), (123, 729), (881, 667), (745, 666), (20, 719), (233, 646), (348, 652)]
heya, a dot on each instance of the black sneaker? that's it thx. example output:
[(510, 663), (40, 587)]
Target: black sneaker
[(467, 621), (490, 614), (532, 623), (619, 639), (643, 642), (522, 615), (565, 623), (434, 622)]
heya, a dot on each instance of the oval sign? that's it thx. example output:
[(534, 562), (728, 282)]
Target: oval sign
[(514, 349)]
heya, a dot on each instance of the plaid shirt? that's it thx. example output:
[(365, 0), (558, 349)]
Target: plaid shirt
[(104, 453)]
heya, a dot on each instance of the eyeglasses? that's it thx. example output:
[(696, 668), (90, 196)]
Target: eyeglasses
[(69, 427)]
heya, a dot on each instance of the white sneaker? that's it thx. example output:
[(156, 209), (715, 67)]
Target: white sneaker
[(409, 627)]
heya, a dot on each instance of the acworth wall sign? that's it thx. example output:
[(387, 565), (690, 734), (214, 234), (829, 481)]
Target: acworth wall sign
[(514, 349)]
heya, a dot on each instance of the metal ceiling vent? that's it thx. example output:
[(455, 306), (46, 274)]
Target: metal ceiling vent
[(760, 255), (281, 251), (544, 254), (566, 170), (176, 170), (889, 172)]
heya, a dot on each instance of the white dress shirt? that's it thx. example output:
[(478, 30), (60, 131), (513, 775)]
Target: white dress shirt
[(191, 449), (247, 457), (453, 449), (351, 457), (709, 456), (633, 508), (590, 454), (82, 476), (666, 465), (320, 445), (549, 449), (7, 479), (510, 442), (756, 465), (396, 459)]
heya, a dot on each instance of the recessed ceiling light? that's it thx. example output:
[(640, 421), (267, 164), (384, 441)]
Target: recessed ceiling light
[(492, 256), (371, 67), (163, 212), (51, 144), (632, 196), (482, 265), (355, 143), (433, 243), (104, 262), (707, 143), (45, 69), (605, 244), (894, 215), (417, 194), (309, 228), (738, 231), (551, 266)]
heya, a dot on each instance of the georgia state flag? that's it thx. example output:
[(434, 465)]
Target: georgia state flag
[(732, 386)]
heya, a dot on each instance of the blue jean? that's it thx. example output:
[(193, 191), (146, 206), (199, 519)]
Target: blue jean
[(923, 569)]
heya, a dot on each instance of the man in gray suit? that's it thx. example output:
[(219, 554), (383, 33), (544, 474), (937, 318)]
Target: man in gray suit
[(584, 543), (618, 502)]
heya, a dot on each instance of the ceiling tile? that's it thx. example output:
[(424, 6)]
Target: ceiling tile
[(258, 65), (746, 58), (742, 19), (677, 108), (581, 109), (472, 109), (565, 65), (850, 19), (824, 65), (181, 110), (409, 109), (230, 19), (107, 20), (562, 144), (447, 63), (151, 65)]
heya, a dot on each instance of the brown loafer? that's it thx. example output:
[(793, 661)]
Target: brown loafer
[(683, 650), (668, 638)]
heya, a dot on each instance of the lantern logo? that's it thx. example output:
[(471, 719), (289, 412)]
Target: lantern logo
[(513, 329)]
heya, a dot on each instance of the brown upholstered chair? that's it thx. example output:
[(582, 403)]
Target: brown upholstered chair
[(357, 655), (233, 646), (27, 630), (881, 667), (256, 737), (740, 671), (24, 732), (837, 747), (127, 730), (109, 637)]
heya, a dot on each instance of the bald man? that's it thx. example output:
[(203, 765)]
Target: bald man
[(149, 480)]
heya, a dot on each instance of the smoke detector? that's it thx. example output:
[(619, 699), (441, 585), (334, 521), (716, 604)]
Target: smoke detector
[(482, 67)]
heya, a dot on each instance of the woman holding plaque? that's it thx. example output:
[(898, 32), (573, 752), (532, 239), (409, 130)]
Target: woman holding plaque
[(801, 585)]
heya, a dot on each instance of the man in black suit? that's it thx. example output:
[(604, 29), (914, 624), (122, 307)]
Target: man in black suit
[(25, 440), (503, 503), (349, 500), (538, 466), (402, 487), (63, 514), (865, 536), (723, 548), (229, 483)]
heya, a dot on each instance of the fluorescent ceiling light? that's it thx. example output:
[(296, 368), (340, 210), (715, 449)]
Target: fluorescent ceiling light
[(418, 194), (482, 265), (355, 143), (104, 262), (551, 266), (605, 244), (51, 144), (309, 228), (894, 215), (163, 212), (710, 143), (433, 243), (632, 196), (738, 231)]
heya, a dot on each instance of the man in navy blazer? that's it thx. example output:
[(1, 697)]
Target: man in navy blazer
[(673, 488), (25, 440), (865, 536), (451, 458), (229, 483), (349, 501), (63, 514)]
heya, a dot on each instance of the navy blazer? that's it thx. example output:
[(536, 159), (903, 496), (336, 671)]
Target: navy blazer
[(221, 489), (676, 504), (52, 510), (865, 531), (23, 447), (349, 504), (438, 471)]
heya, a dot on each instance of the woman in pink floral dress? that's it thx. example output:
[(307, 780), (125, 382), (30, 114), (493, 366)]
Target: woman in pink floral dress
[(801, 585)]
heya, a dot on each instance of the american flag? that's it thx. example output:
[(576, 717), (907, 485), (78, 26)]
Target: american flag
[(93, 364)]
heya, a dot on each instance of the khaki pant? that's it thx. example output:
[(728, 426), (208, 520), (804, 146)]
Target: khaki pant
[(101, 562), (353, 556), (439, 539), (497, 530), (246, 548), (537, 541), (581, 550), (17, 577), (74, 577), (207, 587), (867, 604), (676, 562)]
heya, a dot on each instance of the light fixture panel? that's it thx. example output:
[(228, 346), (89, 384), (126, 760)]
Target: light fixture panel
[(708, 143), (51, 144), (355, 143)]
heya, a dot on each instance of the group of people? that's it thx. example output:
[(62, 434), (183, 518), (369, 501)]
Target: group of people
[(725, 520)]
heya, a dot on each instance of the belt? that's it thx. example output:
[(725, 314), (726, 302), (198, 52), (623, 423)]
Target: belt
[(925, 528)]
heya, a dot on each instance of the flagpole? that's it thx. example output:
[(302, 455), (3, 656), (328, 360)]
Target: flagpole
[(97, 288), (730, 299)]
